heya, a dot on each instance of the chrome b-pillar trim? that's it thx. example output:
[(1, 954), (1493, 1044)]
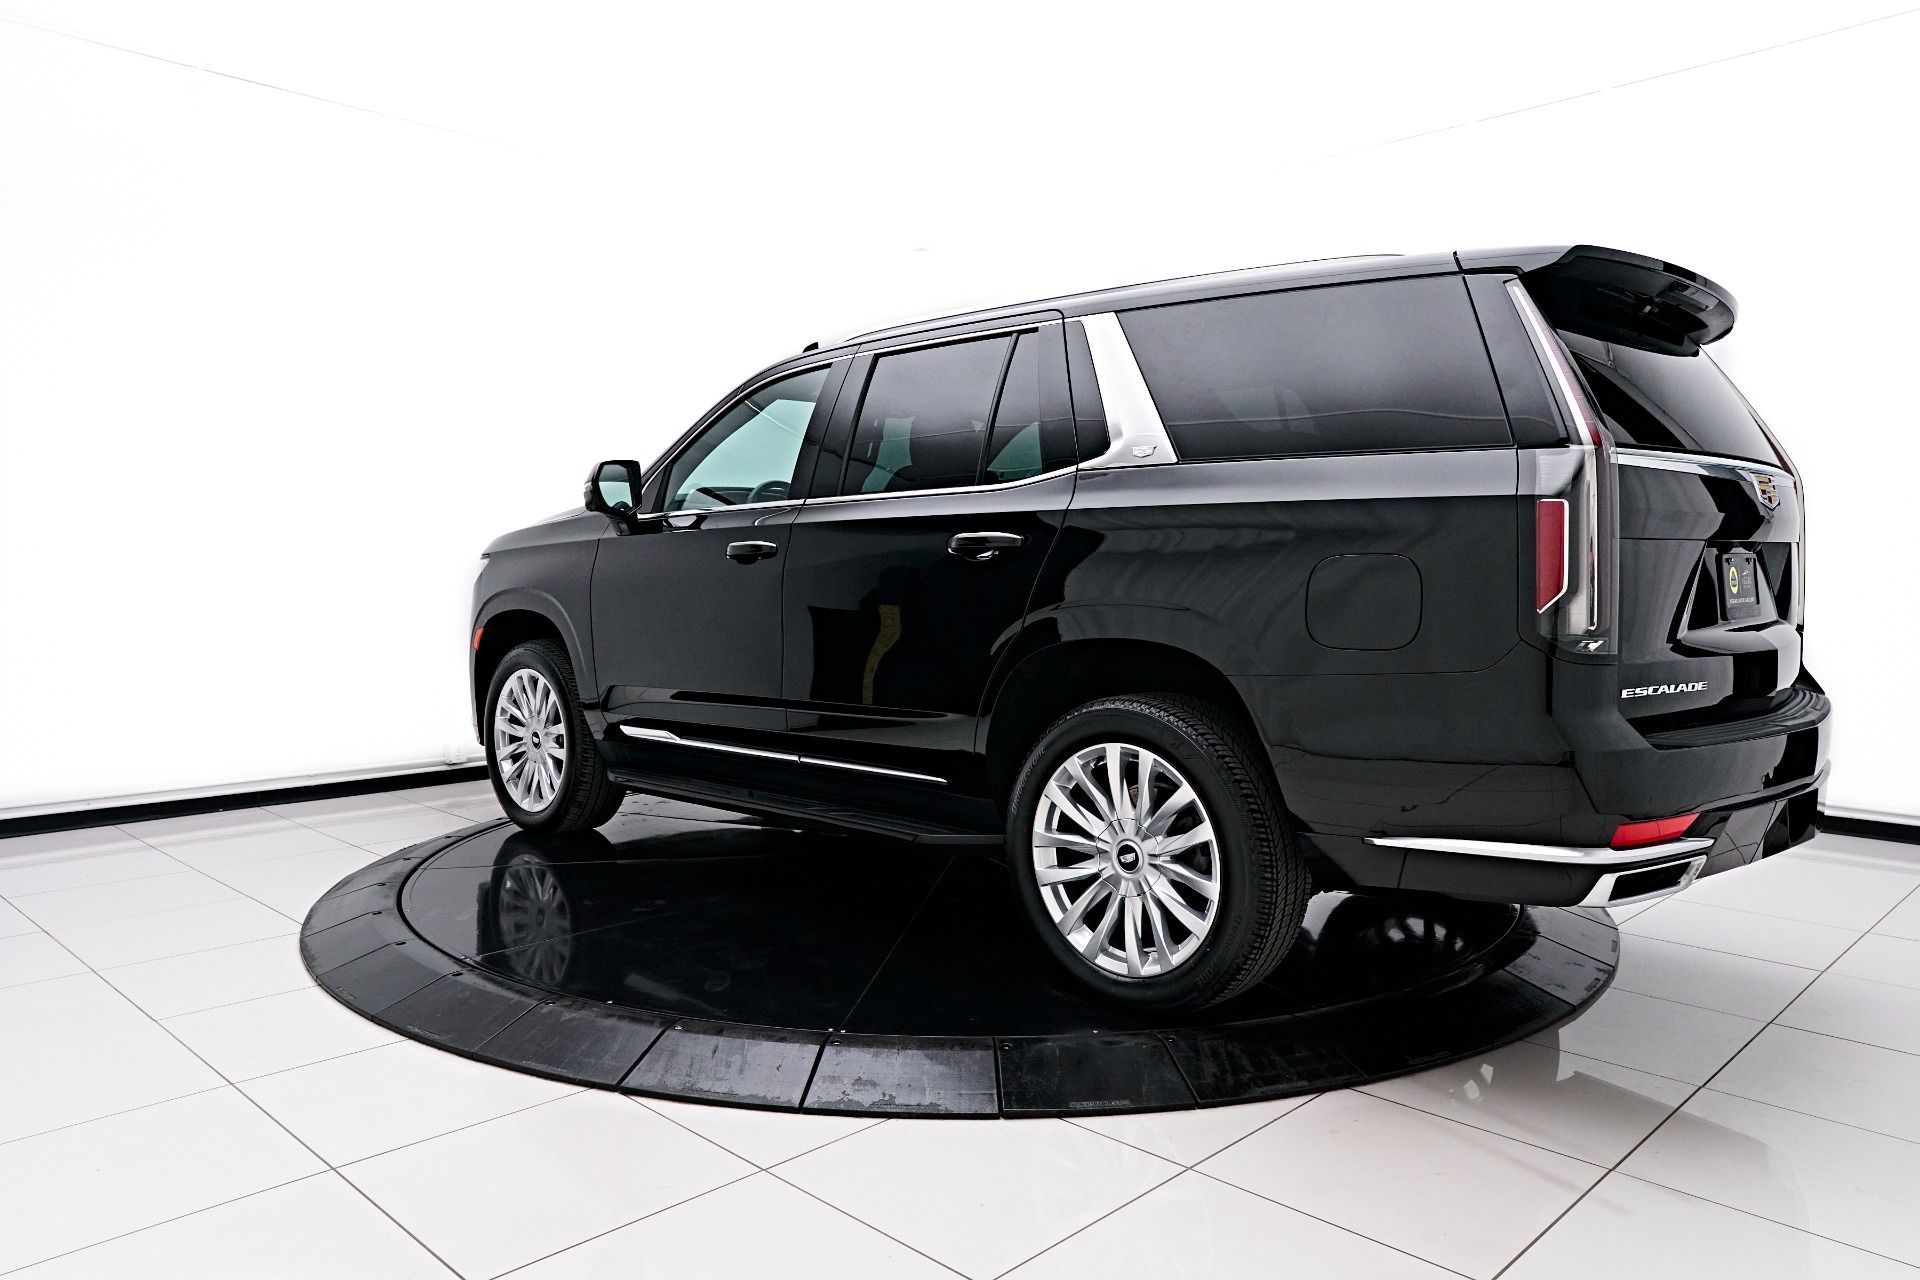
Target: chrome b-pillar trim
[(1136, 437), (1571, 855)]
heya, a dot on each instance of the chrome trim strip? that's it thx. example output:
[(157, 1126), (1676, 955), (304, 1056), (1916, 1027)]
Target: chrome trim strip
[(1579, 855), (1136, 435), (910, 342), (689, 511), (1603, 887), (667, 737), (836, 498), (872, 768), (675, 740), (1695, 464)]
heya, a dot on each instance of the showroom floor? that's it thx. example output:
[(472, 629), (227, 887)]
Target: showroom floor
[(177, 1098)]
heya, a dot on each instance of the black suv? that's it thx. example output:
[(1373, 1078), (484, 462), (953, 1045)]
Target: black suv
[(1466, 574)]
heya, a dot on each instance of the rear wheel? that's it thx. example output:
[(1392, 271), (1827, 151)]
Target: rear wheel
[(547, 772), (1147, 846)]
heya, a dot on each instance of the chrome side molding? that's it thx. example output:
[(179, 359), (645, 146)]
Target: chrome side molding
[(667, 737), (1572, 855)]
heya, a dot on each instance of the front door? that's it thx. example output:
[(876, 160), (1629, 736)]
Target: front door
[(909, 571), (686, 596)]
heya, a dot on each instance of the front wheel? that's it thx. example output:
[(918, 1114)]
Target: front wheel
[(547, 772), (1147, 845)]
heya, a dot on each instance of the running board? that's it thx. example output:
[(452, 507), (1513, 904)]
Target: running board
[(777, 802)]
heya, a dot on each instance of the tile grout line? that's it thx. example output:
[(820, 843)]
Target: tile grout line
[(327, 1165), (1196, 1170), (852, 1217), (251, 1101), (1761, 1217), (1698, 1090)]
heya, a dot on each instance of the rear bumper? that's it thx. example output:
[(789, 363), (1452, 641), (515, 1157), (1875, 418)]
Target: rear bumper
[(1569, 875)]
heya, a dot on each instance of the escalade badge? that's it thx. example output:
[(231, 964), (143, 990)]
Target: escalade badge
[(1767, 488), (1654, 690)]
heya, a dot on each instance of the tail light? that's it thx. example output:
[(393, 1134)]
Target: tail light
[(1631, 835), (1550, 552), (1580, 615)]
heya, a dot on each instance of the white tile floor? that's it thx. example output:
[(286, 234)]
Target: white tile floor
[(178, 1099)]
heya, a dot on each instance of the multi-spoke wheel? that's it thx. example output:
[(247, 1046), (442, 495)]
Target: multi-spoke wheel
[(530, 739), (547, 774), (1123, 854), (1147, 843), (535, 920)]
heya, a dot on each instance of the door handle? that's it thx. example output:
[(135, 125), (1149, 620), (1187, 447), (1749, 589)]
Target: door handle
[(748, 552), (982, 546)]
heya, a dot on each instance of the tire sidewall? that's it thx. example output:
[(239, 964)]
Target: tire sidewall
[(551, 817), (1233, 930)]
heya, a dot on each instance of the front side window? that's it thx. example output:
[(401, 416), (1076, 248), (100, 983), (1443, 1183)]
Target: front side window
[(1357, 368), (923, 420), (749, 452)]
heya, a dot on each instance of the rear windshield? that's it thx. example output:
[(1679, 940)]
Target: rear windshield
[(1683, 403)]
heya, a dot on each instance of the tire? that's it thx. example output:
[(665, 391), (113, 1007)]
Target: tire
[(582, 796), (1258, 879)]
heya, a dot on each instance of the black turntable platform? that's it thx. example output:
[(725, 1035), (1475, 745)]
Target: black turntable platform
[(683, 952)]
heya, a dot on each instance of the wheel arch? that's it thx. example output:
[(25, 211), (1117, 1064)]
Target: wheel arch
[(1048, 682), (513, 619)]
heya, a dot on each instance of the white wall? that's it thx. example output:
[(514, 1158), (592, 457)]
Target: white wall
[(299, 306)]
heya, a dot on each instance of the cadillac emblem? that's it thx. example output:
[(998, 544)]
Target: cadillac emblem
[(1767, 487)]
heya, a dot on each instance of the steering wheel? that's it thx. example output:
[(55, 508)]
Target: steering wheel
[(770, 491), (716, 495)]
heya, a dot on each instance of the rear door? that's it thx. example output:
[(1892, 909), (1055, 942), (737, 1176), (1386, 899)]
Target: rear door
[(1710, 521), (909, 570)]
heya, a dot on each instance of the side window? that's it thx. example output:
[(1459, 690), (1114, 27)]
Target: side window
[(923, 419), (1397, 364), (749, 452), (1033, 424)]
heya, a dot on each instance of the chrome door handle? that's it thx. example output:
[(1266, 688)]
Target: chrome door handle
[(982, 546), (748, 552)]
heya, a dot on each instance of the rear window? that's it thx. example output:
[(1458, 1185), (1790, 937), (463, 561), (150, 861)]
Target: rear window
[(1359, 368), (1657, 401)]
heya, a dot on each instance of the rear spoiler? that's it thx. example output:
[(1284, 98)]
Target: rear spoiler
[(1614, 296)]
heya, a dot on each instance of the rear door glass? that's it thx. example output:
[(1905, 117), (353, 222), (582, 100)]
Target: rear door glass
[(923, 420), (1658, 401), (1387, 365)]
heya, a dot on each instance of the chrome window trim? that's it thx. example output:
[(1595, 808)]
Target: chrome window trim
[(1576, 855), (832, 499), (1696, 464), (1136, 437), (952, 339), (690, 511), (667, 737)]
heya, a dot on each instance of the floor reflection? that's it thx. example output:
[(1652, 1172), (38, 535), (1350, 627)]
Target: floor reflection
[(715, 916)]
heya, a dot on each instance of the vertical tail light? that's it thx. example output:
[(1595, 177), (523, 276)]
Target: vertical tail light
[(1550, 552), (1580, 616)]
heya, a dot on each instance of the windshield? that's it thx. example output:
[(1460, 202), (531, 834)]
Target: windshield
[(1683, 403)]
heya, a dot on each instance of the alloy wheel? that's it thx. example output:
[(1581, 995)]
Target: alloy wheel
[(530, 739), (1125, 859)]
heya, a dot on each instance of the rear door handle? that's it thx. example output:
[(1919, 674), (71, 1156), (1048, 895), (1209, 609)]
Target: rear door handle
[(748, 552), (982, 546)]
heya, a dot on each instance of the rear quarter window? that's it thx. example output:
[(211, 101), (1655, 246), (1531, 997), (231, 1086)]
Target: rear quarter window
[(1361, 368)]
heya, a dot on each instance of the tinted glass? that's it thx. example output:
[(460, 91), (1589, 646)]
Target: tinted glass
[(1669, 402), (924, 418), (1032, 429), (749, 453), (1397, 364)]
